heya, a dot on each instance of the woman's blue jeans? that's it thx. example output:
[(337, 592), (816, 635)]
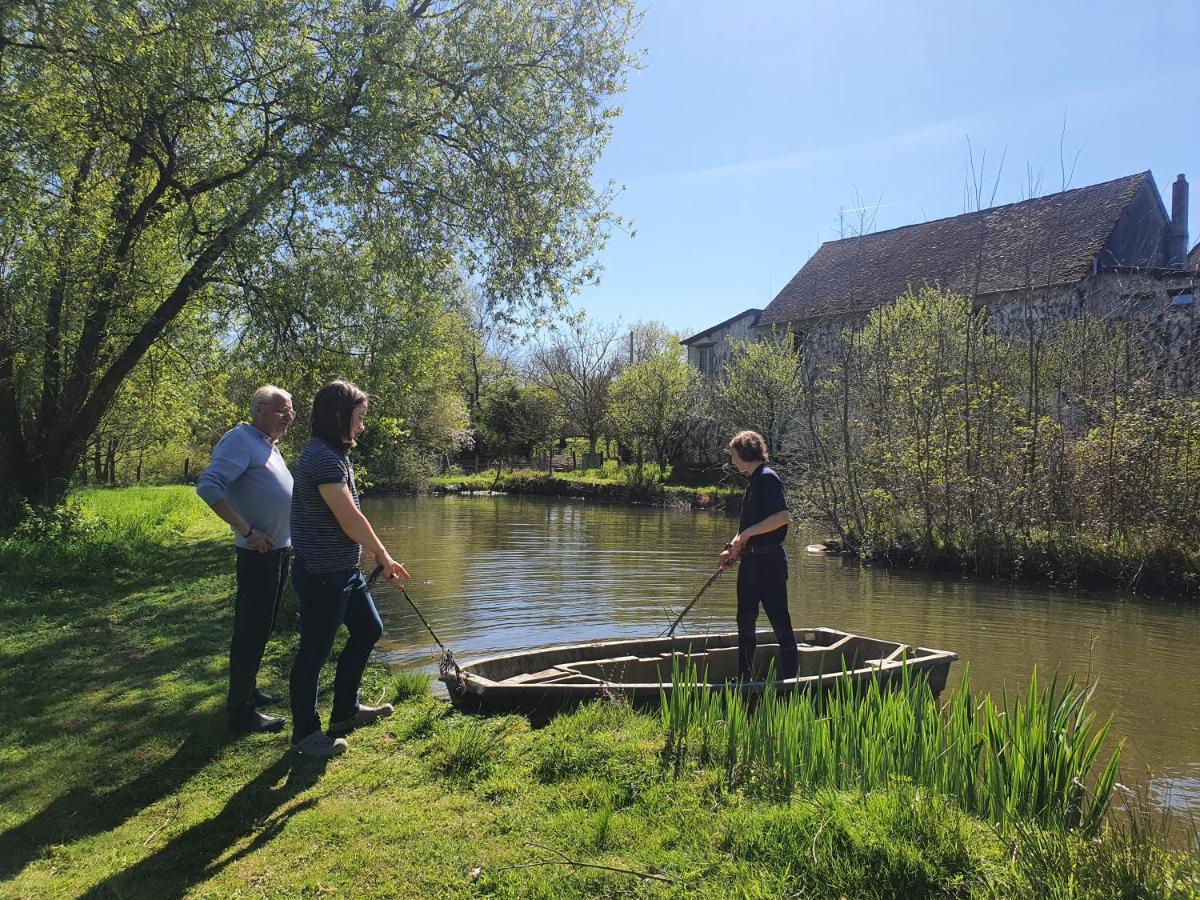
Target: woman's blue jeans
[(327, 600)]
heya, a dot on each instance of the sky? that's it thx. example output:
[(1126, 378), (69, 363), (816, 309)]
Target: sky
[(749, 126)]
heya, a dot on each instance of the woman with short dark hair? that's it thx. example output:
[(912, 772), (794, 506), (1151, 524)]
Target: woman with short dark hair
[(329, 533)]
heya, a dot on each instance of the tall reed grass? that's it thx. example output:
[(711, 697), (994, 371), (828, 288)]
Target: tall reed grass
[(1033, 760)]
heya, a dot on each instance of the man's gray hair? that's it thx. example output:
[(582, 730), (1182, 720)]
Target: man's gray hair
[(268, 393)]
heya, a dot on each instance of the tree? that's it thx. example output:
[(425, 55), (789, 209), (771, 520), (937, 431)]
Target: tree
[(762, 387), (654, 404), (578, 367), (169, 155), (485, 351), (515, 419)]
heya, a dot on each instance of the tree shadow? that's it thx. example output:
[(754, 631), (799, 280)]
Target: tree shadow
[(195, 855), (82, 811)]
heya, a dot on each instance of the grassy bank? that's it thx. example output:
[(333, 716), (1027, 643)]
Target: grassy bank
[(116, 777), (601, 487)]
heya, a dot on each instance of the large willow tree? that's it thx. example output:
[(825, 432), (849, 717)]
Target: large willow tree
[(159, 158)]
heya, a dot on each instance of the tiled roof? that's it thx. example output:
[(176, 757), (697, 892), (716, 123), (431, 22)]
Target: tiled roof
[(753, 311), (1048, 240)]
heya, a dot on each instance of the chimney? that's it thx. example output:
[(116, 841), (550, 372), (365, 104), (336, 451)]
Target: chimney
[(1177, 236)]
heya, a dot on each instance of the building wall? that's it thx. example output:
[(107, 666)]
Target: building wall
[(1163, 304), (710, 354)]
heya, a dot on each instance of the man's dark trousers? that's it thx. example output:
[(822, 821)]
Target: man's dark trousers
[(762, 579), (261, 578)]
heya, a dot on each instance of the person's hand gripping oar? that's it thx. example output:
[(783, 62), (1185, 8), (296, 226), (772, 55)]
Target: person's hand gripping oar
[(728, 555)]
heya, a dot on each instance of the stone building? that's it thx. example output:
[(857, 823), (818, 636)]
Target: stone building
[(1109, 249), (709, 349)]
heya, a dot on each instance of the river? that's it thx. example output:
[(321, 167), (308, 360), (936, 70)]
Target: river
[(495, 574)]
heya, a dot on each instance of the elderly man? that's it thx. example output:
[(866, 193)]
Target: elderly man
[(249, 486)]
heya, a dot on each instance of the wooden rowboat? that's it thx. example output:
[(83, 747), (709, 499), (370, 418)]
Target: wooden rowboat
[(551, 678)]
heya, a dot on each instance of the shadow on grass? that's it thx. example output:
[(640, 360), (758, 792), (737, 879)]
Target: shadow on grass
[(83, 811), (101, 680), (196, 854)]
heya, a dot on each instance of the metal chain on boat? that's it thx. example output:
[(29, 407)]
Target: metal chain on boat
[(447, 664)]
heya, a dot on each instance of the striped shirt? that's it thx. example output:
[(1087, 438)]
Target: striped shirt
[(316, 535)]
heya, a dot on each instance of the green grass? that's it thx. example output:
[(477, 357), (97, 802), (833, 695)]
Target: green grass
[(117, 779)]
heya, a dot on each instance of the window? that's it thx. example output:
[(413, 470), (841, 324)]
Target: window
[(1139, 303)]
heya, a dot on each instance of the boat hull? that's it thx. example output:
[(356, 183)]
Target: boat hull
[(544, 681)]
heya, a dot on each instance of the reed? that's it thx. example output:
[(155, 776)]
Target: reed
[(1032, 760)]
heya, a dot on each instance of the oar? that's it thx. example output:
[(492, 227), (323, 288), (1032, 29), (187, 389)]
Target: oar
[(700, 593), (448, 663)]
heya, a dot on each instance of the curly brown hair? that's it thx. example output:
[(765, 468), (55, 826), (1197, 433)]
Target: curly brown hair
[(749, 446)]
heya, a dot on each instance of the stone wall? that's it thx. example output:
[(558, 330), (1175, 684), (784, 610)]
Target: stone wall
[(710, 353)]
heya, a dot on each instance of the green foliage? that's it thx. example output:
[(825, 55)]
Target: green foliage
[(287, 173), (515, 419), (470, 748), (105, 535), (654, 405), (54, 524), (1031, 761), (1063, 453), (761, 387)]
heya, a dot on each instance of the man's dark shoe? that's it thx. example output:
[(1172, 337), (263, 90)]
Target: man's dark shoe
[(250, 720), (262, 698)]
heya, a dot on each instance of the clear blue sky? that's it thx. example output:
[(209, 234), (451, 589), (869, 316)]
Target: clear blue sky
[(750, 125)]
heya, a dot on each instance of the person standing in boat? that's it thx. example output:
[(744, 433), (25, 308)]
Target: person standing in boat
[(763, 573), (329, 533)]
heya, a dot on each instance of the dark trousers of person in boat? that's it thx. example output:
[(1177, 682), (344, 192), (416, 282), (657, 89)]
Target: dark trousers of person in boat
[(327, 600), (762, 581), (260, 581)]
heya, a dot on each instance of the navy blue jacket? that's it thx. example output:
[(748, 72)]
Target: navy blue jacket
[(763, 497)]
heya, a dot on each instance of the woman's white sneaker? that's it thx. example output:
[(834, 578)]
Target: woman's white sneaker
[(320, 745)]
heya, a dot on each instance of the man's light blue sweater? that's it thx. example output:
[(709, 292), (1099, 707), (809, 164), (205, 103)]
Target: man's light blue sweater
[(248, 472)]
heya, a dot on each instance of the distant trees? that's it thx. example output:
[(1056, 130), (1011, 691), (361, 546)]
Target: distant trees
[(655, 404), (578, 366), (760, 387)]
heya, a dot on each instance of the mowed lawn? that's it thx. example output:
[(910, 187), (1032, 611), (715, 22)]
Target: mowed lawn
[(117, 778)]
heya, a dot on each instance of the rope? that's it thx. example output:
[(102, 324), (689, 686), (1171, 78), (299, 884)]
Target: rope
[(447, 664)]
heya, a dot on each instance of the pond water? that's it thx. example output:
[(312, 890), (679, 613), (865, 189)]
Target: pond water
[(496, 574)]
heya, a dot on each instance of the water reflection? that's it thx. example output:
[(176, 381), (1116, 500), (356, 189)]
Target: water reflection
[(494, 574)]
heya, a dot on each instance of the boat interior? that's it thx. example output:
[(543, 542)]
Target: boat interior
[(651, 662)]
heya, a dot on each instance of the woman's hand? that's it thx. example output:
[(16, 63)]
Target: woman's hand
[(394, 571)]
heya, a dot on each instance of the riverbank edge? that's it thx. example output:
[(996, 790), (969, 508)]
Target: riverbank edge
[(710, 497)]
